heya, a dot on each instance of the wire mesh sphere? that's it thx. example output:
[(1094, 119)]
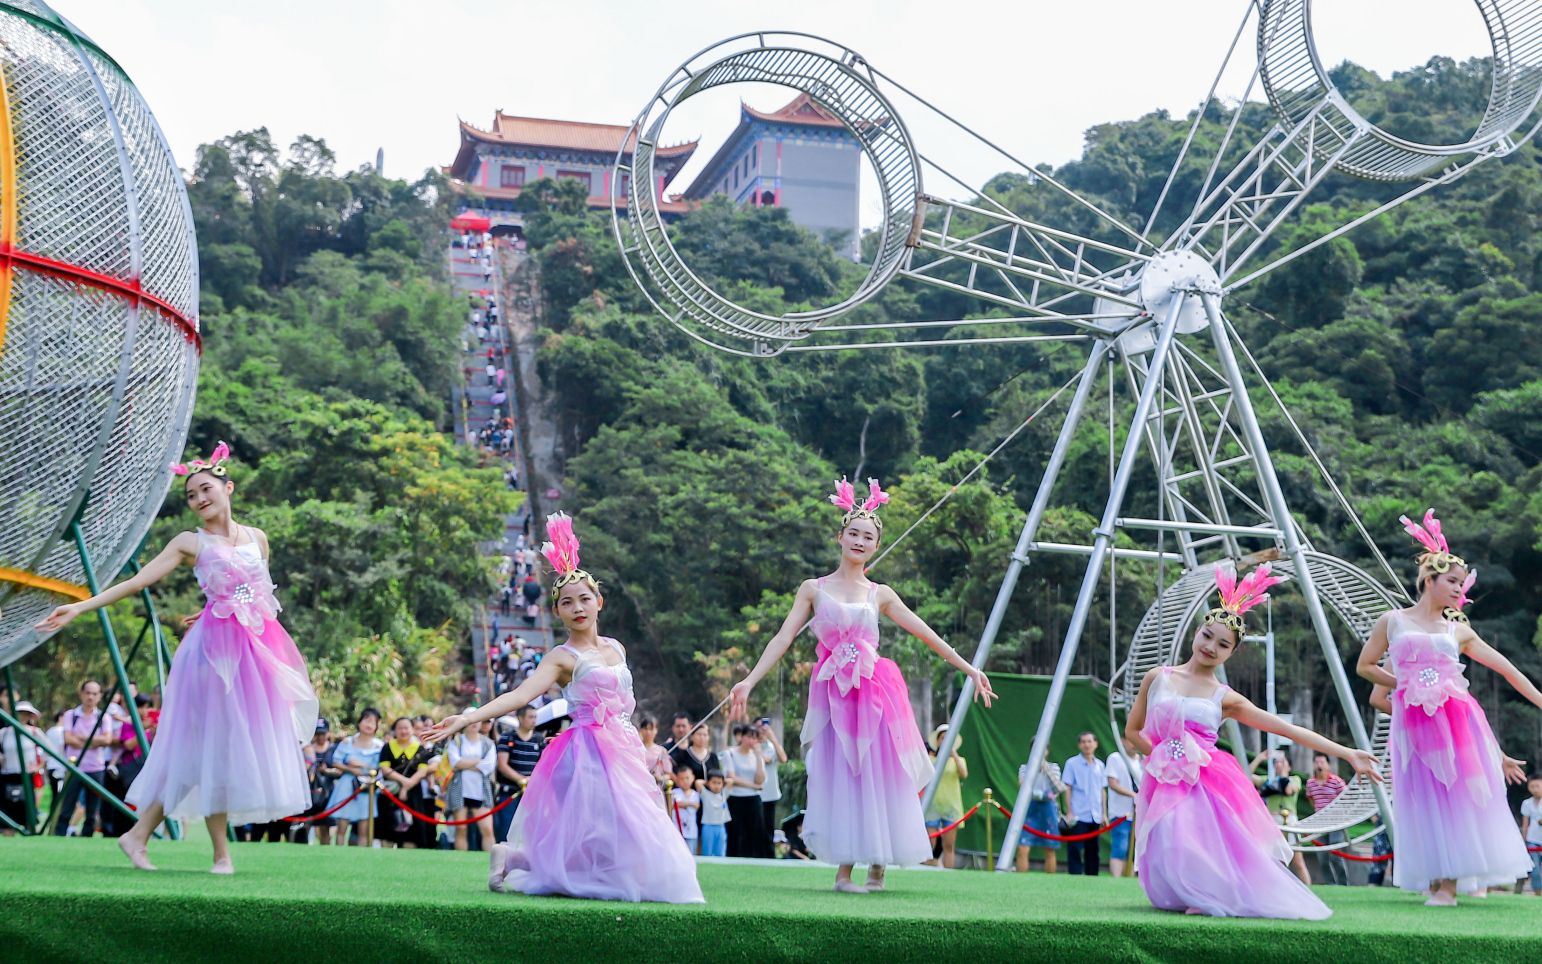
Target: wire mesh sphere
[(99, 340)]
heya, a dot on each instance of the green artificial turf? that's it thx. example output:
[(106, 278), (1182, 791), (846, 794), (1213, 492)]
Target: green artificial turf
[(67, 899)]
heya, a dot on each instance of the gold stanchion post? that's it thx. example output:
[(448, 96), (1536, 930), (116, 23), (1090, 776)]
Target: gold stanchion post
[(369, 820), (990, 839)]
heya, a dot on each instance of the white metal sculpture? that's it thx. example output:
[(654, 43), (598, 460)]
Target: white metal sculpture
[(99, 341), (1125, 292)]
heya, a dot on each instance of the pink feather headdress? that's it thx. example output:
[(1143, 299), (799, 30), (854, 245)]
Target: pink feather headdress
[(1437, 554), (215, 463), (561, 550), (845, 499), (1238, 597)]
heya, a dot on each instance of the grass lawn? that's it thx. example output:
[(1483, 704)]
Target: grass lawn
[(68, 899)]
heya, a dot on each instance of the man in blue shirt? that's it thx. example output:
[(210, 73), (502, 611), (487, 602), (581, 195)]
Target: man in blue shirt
[(1085, 784)]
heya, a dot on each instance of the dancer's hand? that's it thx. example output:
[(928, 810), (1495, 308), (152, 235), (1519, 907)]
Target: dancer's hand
[(982, 686), (446, 728), (1515, 770), (738, 700), (188, 621), (58, 619), (1365, 764)]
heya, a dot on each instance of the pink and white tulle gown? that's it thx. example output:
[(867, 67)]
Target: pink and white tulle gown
[(865, 759), (1204, 839), (1450, 816), (591, 823), (238, 704)]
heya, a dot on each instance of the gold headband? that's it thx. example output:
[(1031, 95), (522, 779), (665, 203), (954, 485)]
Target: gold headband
[(1226, 618)]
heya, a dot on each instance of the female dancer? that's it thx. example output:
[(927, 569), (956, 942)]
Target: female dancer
[(1453, 824), (589, 824), (865, 758), (238, 702), (1205, 842)]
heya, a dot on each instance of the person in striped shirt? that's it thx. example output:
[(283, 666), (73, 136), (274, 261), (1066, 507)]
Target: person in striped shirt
[(1322, 789)]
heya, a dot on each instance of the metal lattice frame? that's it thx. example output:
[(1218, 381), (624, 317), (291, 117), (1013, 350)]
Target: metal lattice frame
[(99, 341), (1130, 294)]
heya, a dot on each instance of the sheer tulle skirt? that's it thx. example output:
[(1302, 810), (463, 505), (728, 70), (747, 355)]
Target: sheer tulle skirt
[(592, 824), (866, 765), (1213, 847), (238, 707), (1450, 812)]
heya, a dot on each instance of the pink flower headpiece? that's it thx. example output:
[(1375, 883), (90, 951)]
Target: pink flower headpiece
[(1238, 597), (845, 499), (1437, 554), (562, 551), (215, 464)]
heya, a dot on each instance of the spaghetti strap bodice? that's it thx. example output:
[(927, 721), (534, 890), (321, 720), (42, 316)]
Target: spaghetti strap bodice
[(235, 580), (1203, 711), (600, 691)]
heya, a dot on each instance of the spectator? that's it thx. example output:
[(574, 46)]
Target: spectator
[(1280, 790), (948, 803), (506, 600), (792, 828), (532, 559), (1321, 789), (1531, 829), (714, 816), (55, 737), (21, 771), (655, 757), (771, 793), (1085, 784), (531, 590), (697, 754), (518, 753), (687, 805), (318, 763), (492, 372), (473, 758), (1124, 770), (91, 754), (403, 763), (1376, 873), (746, 772), (1043, 816), (679, 726), (354, 761)]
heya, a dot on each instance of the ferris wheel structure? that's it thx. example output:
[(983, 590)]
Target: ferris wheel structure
[(1145, 305)]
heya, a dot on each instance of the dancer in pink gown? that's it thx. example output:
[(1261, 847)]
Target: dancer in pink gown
[(865, 759), (1452, 826), (1205, 842), (238, 702), (590, 823)]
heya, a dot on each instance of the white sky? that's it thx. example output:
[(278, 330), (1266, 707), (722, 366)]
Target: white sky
[(385, 73)]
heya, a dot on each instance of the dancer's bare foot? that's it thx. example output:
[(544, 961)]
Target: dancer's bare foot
[(1195, 912), (498, 867), (1441, 899), (1480, 892), (135, 852), (875, 878), (223, 867), (849, 887)]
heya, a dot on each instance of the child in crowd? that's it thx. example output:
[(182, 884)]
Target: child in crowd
[(714, 816), (1531, 829), (686, 802)]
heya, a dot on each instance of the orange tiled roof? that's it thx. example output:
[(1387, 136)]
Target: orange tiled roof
[(573, 135), (802, 110)]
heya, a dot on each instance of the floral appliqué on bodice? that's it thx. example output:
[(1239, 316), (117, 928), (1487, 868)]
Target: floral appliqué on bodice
[(848, 638), (600, 692), (235, 579), (1426, 664)]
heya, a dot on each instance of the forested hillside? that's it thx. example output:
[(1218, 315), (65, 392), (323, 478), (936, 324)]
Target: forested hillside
[(1409, 350)]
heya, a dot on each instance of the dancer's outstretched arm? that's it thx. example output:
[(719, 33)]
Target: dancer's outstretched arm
[(891, 605), (797, 617), (1481, 652), (182, 548), (534, 685), (1241, 709)]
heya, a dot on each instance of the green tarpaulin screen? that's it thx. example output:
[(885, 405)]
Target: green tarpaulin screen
[(997, 740)]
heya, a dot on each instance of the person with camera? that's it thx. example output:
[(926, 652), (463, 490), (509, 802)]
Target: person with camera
[(771, 791), (403, 765), (318, 764), (90, 736), (1280, 789)]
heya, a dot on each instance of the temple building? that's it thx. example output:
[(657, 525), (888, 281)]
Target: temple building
[(495, 164), (800, 157)]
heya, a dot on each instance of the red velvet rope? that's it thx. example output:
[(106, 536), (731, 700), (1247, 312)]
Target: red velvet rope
[(955, 824), (326, 813), (446, 823), (1072, 838)]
